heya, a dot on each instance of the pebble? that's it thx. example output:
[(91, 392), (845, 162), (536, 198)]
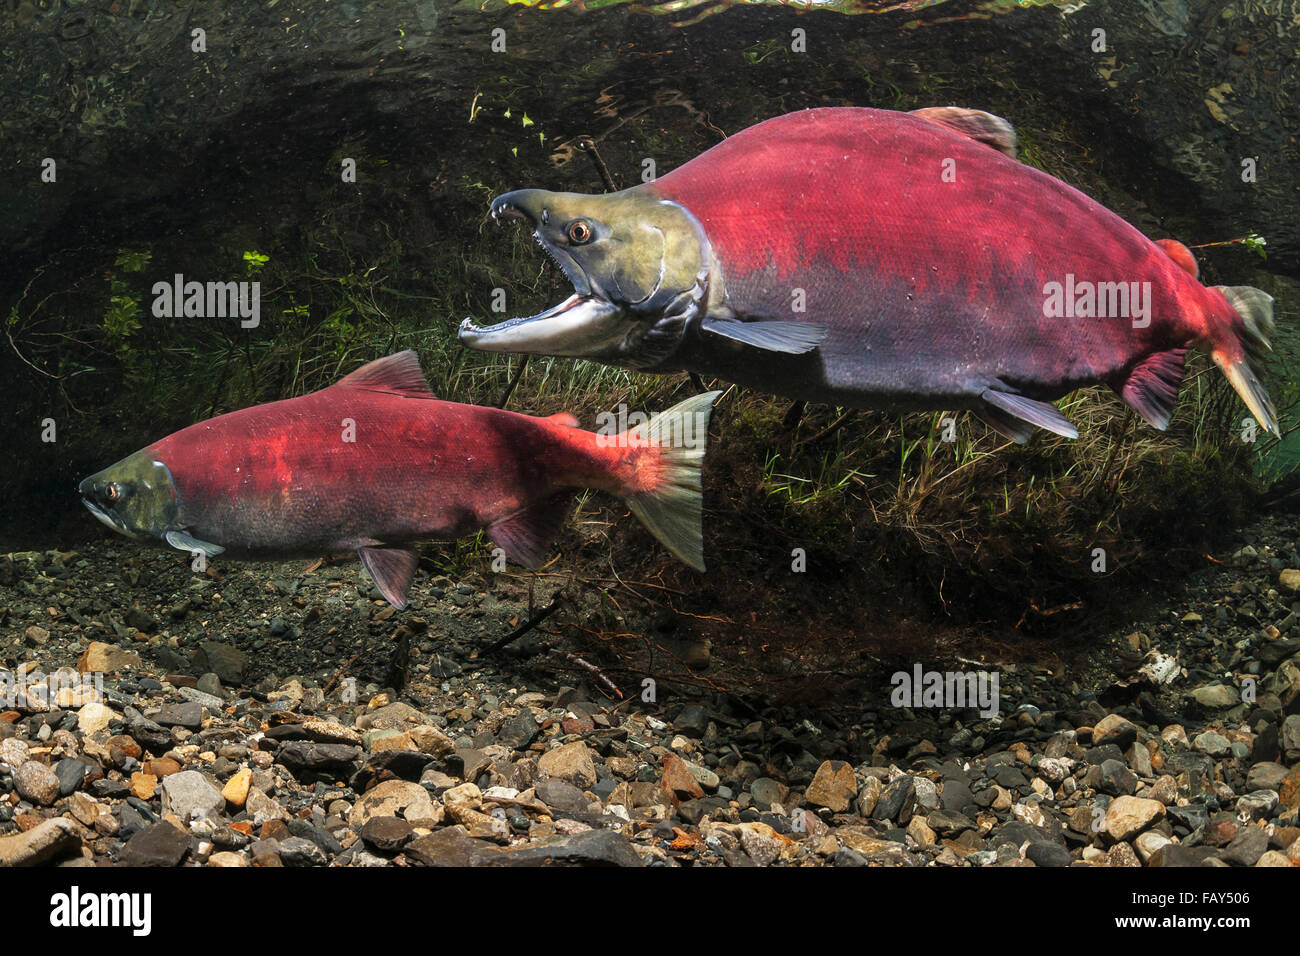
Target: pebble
[(299, 851), (692, 720), (235, 792), (144, 785), (1214, 744), (394, 798), (518, 732), (13, 751), (99, 657), (1257, 805), (1127, 816), (71, 773), (94, 716), (189, 794), (835, 787), (1148, 843), (387, 834), (1246, 847), (927, 794), (1047, 854), (896, 801), (1217, 696), (36, 782), (678, 781), (571, 762), (1274, 858), (765, 791), (186, 714), (262, 808), (227, 859), (1114, 729), (225, 661), (158, 845)]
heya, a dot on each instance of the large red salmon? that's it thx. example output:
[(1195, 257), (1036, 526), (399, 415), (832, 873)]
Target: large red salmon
[(873, 258), (375, 463)]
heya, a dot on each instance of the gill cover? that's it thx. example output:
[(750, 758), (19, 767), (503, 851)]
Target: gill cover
[(136, 496), (640, 268)]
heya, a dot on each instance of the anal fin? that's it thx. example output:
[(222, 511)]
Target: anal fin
[(391, 569), (526, 535), (1151, 389), (793, 338), (1010, 415)]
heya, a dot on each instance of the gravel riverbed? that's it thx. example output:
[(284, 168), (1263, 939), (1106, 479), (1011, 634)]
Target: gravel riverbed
[(242, 719)]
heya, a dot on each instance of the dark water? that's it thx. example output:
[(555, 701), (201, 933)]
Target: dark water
[(197, 158)]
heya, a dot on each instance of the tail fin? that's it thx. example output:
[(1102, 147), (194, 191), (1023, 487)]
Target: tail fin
[(1239, 359), (672, 510)]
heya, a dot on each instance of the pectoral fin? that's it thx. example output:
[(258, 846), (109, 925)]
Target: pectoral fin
[(183, 542), (794, 338), (392, 570), (1013, 415)]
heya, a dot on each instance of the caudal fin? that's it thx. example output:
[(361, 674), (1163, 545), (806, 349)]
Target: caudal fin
[(1238, 359), (671, 510)]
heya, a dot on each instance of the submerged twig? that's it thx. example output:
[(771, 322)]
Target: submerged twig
[(588, 146), (592, 669), (524, 628), (514, 380), (329, 686), (830, 429)]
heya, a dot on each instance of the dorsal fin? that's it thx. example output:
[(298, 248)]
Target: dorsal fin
[(397, 374), (980, 126), (1180, 254), (563, 418)]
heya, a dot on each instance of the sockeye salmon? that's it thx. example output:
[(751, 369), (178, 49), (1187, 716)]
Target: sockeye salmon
[(374, 463), (872, 258)]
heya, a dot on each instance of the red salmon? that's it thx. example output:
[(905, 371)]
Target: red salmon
[(375, 463)]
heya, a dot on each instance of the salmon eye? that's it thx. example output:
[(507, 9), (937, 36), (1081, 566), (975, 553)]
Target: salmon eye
[(112, 492), (579, 232)]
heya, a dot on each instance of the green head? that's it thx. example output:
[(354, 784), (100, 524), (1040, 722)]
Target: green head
[(640, 268), (136, 496)]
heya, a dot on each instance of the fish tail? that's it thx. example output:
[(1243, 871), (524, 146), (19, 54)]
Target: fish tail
[(1238, 348), (671, 506)]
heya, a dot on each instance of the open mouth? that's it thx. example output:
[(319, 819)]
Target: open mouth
[(563, 329)]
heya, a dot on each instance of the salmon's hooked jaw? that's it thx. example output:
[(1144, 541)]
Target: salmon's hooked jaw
[(135, 497), (639, 266)]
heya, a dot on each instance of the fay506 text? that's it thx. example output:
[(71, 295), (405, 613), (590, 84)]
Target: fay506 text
[(1213, 897)]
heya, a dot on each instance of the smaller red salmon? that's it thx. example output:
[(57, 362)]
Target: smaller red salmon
[(375, 463)]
